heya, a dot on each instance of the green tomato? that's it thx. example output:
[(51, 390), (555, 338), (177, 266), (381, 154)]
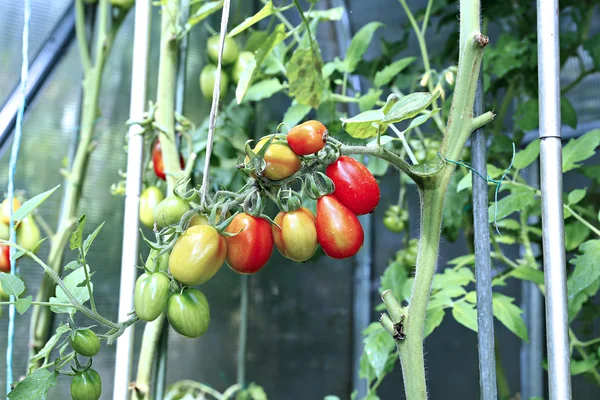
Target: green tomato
[(151, 295), (188, 313), (169, 211), (155, 260), (207, 81), (149, 199), (230, 51), (395, 219), (122, 3), (411, 253), (86, 385), (85, 342), (28, 234), (4, 231), (240, 65)]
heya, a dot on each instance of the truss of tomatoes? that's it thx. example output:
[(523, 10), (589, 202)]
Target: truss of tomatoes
[(246, 242)]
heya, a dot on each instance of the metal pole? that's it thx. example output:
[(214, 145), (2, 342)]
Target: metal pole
[(141, 45), (553, 239), (483, 268)]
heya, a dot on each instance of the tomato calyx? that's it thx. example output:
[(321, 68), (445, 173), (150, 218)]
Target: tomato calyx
[(318, 185)]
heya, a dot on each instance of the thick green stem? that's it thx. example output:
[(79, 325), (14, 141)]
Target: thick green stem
[(152, 333)]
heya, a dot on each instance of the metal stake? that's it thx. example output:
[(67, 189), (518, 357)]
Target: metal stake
[(553, 240), (141, 44)]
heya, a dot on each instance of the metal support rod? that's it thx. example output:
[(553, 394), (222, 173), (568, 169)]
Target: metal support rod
[(129, 255), (40, 68), (483, 268), (553, 239), (243, 334)]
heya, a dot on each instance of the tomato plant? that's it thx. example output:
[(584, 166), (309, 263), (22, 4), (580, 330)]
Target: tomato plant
[(296, 235), (188, 312), (339, 232), (86, 385), (85, 342), (251, 247), (230, 50), (170, 210), (149, 199), (158, 163), (208, 77), (151, 295), (197, 255), (355, 186), (281, 161), (307, 138)]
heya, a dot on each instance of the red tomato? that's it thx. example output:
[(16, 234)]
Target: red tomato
[(157, 161), (355, 185), (307, 138), (251, 248), (5, 259), (296, 236), (338, 230)]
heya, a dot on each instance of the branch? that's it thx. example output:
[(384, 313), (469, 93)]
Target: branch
[(481, 120), (84, 50)]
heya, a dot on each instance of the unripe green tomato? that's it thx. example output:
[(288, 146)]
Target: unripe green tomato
[(4, 231), (230, 50), (240, 65), (156, 262), (85, 342), (188, 313), (28, 234), (122, 3), (411, 253), (151, 295), (207, 81), (149, 199), (86, 385), (395, 219), (169, 211)]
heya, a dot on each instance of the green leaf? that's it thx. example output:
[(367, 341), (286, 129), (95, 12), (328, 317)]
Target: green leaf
[(34, 386), (264, 12), (295, 114), (409, 106), (587, 267), (450, 277), (527, 117), (305, 78), (575, 234), (365, 124), (509, 314), (378, 346), (592, 45), (332, 14), (575, 196), (465, 314), (264, 90), (77, 236), (261, 54), (510, 224), (394, 277), (528, 155), (580, 149), (203, 12), (518, 200), (421, 119), (368, 100), (80, 293), (377, 166), (365, 370), (22, 305), (527, 273), (45, 352), (471, 297), (72, 265), (359, 45), (90, 239), (575, 303), (384, 76), (441, 299), (454, 209), (433, 320), (579, 367), (568, 115), (31, 204), (11, 284), (467, 259)]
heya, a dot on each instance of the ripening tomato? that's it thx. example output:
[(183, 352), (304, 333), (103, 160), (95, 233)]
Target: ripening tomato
[(149, 199), (296, 236), (5, 259), (5, 211), (281, 161), (170, 210), (241, 64), (208, 77), (86, 385), (355, 186), (85, 342), (28, 234), (4, 231), (158, 162), (230, 49), (307, 138), (197, 255), (188, 313), (338, 230), (151, 295), (251, 248)]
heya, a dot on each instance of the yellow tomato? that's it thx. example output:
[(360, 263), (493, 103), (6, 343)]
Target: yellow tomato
[(281, 161)]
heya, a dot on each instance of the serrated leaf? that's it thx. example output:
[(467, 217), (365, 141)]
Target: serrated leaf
[(580, 149), (467, 259), (364, 125), (528, 155), (575, 234), (575, 196), (77, 236), (450, 277), (576, 302), (263, 13), (306, 83), (465, 314), (471, 297), (440, 300), (295, 114), (81, 294), (254, 64), (22, 305), (34, 386), (90, 239), (31, 204), (510, 315), (359, 45), (579, 367), (409, 106), (50, 344), (203, 12), (434, 319), (264, 90), (11, 284), (519, 199), (587, 267), (378, 346), (384, 76)]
